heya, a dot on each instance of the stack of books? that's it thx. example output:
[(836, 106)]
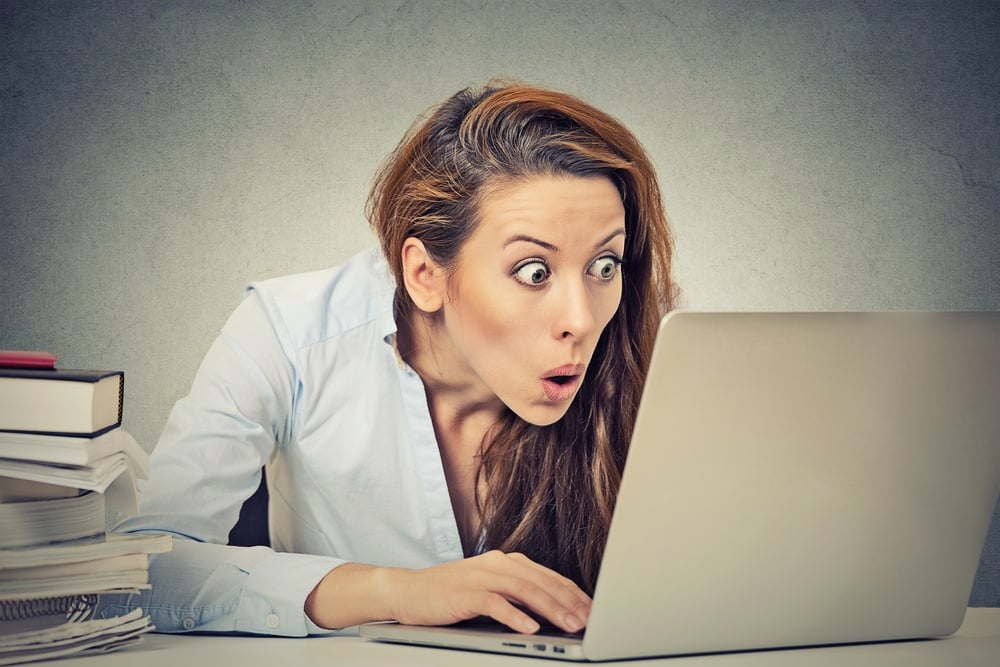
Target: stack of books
[(68, 470)]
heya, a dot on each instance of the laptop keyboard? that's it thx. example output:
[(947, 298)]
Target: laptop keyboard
[(546, 629)]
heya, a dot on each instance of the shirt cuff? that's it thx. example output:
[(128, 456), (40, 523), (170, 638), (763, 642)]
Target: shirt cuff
[(274, 595)]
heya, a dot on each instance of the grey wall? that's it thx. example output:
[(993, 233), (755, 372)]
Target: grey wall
[(157, 156)]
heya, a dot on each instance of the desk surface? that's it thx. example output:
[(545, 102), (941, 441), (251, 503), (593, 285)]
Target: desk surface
[(977, 643)]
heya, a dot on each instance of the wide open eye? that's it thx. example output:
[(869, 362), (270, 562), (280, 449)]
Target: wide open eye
[(605, 267), (532, 273)]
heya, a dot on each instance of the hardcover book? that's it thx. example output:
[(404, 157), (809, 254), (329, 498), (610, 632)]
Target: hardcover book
[(76, 402)]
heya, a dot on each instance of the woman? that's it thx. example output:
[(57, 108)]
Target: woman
[(444, 423)]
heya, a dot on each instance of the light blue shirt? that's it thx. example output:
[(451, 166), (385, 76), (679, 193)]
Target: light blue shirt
[(304, 378)]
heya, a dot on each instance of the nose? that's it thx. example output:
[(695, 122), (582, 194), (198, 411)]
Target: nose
[(574, 311)]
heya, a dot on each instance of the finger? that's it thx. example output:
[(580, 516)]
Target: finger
[(560, 583), (574, 602), (497, 607), (527, 592), (545, 576)]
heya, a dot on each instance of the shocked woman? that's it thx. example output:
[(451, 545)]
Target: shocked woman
[(443, 422)]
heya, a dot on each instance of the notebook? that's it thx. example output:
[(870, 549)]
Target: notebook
[(794, 479)]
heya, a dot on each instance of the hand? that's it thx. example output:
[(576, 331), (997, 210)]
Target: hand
[(489, 585), (492, 584)]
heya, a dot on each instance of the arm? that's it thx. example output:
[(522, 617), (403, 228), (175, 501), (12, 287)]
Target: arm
[(207, 462), (492, 584)]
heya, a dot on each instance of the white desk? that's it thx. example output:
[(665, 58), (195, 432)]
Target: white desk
[(976, 644)]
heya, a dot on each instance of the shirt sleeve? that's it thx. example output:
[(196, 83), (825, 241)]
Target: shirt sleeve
[(205, 465)]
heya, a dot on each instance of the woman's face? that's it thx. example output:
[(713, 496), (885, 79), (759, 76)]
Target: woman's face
[(534, 287)]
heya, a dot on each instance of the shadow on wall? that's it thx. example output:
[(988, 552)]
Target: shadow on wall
[(986, 588)]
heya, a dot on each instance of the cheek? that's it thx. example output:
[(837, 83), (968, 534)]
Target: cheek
[(484, 315), (483, 327), (608, 305)]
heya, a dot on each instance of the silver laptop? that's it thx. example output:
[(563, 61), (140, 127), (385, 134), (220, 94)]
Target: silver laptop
[(794, 479)]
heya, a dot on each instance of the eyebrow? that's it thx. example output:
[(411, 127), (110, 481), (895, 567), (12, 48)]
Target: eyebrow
[(551, 248)]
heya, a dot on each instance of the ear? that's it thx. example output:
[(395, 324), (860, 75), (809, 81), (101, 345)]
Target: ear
[(424, 280)]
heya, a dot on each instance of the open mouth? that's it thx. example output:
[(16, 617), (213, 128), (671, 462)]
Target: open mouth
[(560, 384)]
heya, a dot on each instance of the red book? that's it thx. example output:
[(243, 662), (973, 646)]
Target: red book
[(27, 359)]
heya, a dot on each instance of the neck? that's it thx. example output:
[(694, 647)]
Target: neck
[(455, 393), (462, 411)]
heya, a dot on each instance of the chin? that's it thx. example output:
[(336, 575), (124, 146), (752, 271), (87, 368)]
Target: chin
[(543, 415)]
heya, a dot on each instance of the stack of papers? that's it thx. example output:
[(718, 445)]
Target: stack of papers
[(58, 494), (49, 594), (110, 463), (81, 637), (25, 524)]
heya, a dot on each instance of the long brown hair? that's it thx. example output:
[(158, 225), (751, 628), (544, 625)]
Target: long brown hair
[(550, 490)]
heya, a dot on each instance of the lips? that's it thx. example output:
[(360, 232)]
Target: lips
[(560, 384)]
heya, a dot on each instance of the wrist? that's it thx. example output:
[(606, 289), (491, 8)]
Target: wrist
[(387, 587), (354, 593)]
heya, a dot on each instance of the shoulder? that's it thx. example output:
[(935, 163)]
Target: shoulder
[(309, 308)]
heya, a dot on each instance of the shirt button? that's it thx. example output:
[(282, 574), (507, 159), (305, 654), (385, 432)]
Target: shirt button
[(272, 621), (187, 623)]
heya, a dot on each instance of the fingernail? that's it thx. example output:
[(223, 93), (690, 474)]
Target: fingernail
[(573, 623)]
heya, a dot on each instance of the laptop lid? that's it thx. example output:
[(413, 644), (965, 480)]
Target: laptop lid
[(795, 479)]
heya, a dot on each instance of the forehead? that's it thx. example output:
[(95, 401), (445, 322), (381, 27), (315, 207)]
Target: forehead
[(553, 203)]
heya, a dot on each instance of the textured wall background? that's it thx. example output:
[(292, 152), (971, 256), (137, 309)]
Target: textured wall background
[(157, 156)]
